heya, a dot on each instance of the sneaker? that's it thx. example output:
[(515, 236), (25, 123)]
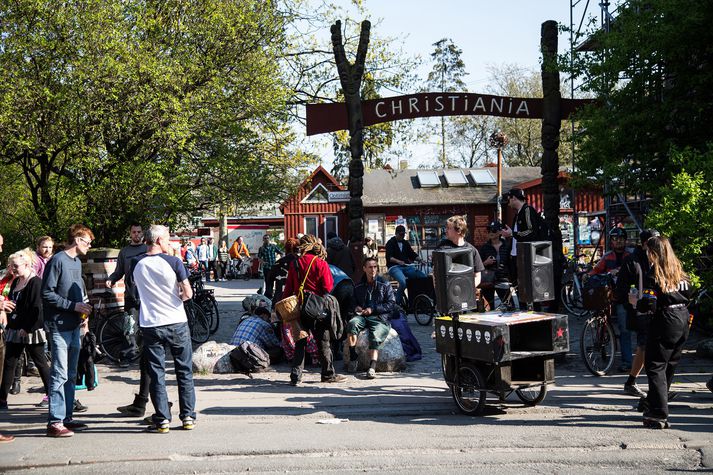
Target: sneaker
[(634, 390), (352, 366), (709, 385), (189, 423), (131, 411), (79, 407), (159, 428), (15, 388), (45, 402), (57, 429), (336, 378), (295, 381), (75, 425), (370, 373), (643, 405), (656, 423)]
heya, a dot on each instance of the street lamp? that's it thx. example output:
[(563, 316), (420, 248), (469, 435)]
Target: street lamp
[(498, 139)]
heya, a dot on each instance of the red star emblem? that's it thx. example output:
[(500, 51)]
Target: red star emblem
[(560, 332)]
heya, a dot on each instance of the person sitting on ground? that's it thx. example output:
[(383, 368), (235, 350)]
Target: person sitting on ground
[(399, 257), (257, 329), (338, 254), (375, 301)]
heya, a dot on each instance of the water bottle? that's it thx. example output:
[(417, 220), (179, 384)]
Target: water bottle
[(633, 291), (128, 324)]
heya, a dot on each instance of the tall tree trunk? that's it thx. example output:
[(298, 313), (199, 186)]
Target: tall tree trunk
[(551, 119)]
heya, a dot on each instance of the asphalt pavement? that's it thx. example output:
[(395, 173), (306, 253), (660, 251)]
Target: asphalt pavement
[(400, 422)]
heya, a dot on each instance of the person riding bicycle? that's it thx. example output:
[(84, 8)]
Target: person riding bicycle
[(633, 269), (399, 257), (610, 263), (239, 249)]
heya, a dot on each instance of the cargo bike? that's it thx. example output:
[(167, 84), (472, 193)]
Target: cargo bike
[(500, 353)]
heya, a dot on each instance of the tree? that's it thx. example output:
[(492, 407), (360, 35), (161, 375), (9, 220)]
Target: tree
[(115, 111), (653, 77), (446, 76)]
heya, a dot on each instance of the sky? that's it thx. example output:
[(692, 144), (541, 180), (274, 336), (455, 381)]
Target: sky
[(488, 32)]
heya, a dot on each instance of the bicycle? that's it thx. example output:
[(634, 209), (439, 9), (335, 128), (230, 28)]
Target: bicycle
[(198, 322), (597, 343), (573, 285), (206, 299), (117, 333)]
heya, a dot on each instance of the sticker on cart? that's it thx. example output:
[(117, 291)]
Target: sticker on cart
[(469, 334), (443, 331), (487, 337), (477, 336), (450, 332), (460, 334)]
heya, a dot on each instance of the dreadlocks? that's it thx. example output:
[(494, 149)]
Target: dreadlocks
[(310, 244)]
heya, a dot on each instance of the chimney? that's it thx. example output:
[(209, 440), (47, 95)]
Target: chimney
[(403, 164)]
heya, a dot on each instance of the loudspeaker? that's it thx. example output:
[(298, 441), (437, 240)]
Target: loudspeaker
[(535, 272), (454, 280)]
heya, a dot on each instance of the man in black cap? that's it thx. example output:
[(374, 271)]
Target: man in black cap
[(526, 227), (496, 259), (399, 257)]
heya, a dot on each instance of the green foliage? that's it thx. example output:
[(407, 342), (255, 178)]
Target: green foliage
[(683, 212), (654, 78)]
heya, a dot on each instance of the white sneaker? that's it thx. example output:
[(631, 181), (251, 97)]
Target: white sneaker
[(371, 373)]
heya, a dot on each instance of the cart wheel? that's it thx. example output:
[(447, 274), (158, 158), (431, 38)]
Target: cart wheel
[(468, 394), (447, 366), (532, 396), (423, 309), (597, 345)]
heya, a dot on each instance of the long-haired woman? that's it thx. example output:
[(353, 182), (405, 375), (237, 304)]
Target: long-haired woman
[(665, 298)]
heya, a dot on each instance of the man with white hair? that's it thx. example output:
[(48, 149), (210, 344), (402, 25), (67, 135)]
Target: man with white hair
[(162, 284)]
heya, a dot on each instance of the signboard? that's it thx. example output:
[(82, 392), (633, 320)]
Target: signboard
[(330, 117), (338, 196)]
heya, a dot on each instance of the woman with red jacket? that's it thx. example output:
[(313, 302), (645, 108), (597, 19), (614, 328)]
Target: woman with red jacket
[(312, 269)]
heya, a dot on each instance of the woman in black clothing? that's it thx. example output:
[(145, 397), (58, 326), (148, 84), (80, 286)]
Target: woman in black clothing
[(496, 257), (24, 324), (666, 295)]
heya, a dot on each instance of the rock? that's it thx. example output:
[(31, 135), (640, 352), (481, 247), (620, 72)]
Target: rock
[(391, 356), (705, 349), (212, 357)]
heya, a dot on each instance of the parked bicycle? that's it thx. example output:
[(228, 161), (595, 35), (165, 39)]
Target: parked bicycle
[(206, 299), (597, 342), (240, 268), (573, 279), (117, 332)]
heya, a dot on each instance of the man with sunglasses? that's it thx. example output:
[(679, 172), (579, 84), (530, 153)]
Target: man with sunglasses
[(64, 298), (399, 259)]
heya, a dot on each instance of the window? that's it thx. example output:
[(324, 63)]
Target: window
[(311, 225), (331, 225), (428, 179), (319, 194)]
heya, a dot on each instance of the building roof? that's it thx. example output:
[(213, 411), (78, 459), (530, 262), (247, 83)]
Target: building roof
[(400, 187)]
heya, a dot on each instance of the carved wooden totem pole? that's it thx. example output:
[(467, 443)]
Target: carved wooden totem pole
[(350, 76), (551, 120)]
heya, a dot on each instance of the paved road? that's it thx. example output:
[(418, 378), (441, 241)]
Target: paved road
[(400, 422)]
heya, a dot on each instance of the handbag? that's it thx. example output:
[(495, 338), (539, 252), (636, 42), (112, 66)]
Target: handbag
[(312, 304)]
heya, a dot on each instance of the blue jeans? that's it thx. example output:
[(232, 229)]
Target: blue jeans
[(400, 274), (63, 374), (624, 336), (177, 338)]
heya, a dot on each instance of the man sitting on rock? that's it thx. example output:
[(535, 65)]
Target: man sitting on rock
[(375, 301), (257, 329)]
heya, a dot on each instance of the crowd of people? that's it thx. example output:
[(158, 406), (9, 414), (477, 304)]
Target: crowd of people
[(44, 308)]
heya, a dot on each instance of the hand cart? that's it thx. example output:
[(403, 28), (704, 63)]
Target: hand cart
[(500, 353)]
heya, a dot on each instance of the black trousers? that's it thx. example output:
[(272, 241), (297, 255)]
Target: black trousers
[(322, 338), (13, 351), (664, 345)]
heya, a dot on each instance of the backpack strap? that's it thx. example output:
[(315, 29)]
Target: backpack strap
[(300, 291)]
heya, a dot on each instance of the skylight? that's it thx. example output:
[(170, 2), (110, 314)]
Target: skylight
[(455, 178), (482, 177), (428, 179)]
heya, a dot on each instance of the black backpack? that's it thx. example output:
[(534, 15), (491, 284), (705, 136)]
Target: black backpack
[(249, 358)]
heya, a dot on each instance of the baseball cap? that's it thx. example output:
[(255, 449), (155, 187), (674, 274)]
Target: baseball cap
[(400, 229)]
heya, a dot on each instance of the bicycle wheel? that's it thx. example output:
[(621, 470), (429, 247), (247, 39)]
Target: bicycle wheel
[(597, 345), (447, 366), (210, 307), (469, 394), (532, 396), (423, 309), (198, 322), (572, 300), (117, 339)]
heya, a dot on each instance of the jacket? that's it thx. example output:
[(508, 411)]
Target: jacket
[(381, 299), (238, 250), (319, 279), (28, 312), (528, 223), (408, 255), (629, 275), (609, 262), (340, 255)]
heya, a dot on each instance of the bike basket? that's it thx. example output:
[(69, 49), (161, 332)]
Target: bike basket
[(288, 309), (595, 295)]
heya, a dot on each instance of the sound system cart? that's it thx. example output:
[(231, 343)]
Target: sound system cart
[(500, 353)]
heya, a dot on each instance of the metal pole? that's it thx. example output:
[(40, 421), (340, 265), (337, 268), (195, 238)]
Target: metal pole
[(500, 184)]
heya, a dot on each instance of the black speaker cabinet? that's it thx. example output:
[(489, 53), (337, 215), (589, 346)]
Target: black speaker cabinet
[(454, 280), (535, 272)]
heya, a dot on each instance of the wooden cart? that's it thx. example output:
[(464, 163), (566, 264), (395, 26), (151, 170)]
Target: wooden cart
[(500, 353)]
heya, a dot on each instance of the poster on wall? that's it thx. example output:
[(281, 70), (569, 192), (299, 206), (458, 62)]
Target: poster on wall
[(252, 235)]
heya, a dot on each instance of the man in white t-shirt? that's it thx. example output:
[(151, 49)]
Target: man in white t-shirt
[(162, 284)]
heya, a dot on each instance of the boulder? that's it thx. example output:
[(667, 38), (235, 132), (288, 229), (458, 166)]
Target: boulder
[(391, 356), (705, 349), (212, 357)]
